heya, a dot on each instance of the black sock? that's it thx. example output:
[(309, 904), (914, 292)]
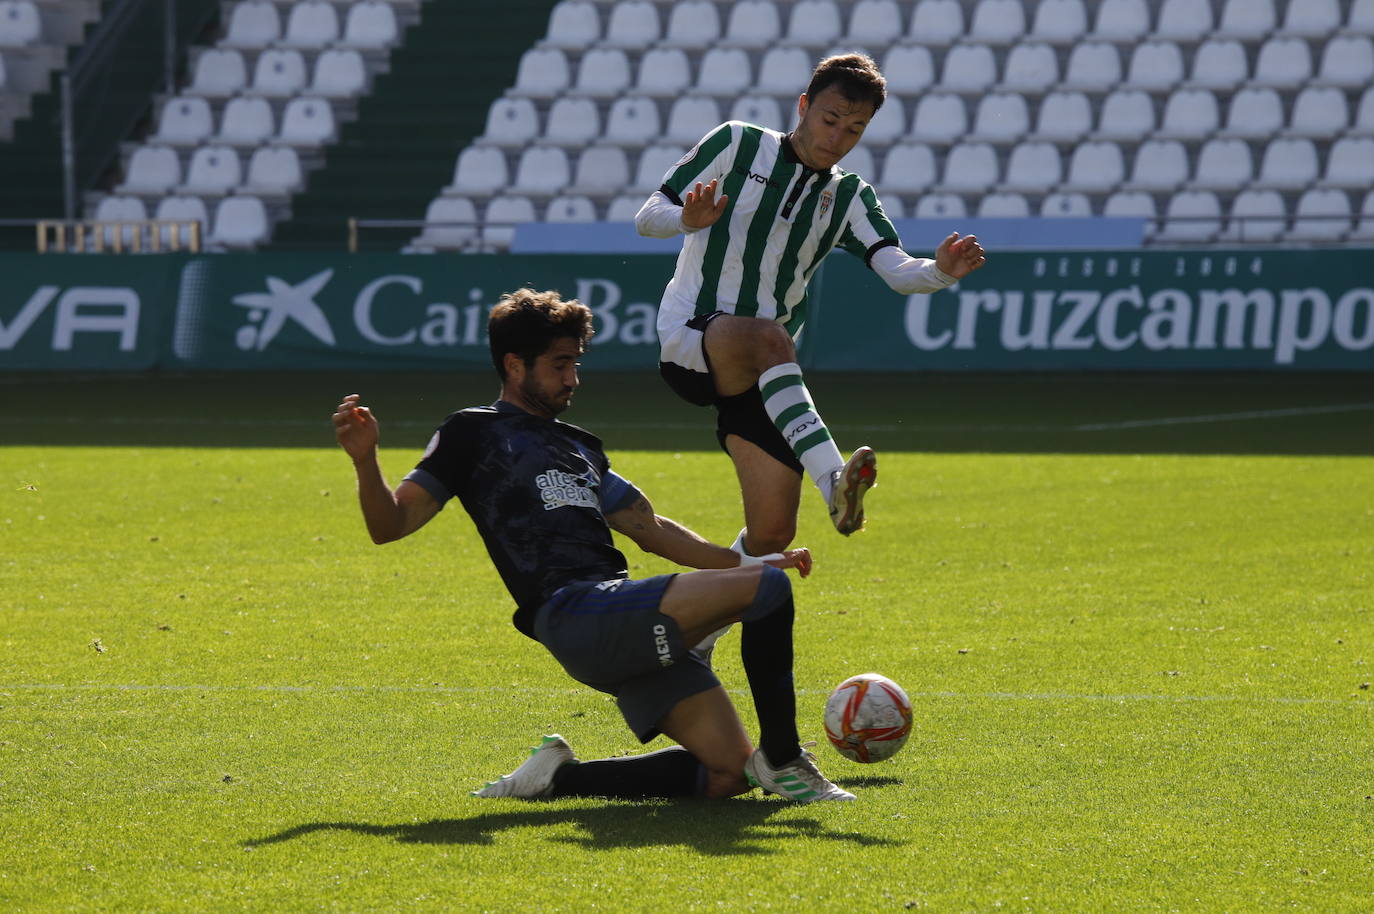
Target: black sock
[(671, 772), (766, 649)]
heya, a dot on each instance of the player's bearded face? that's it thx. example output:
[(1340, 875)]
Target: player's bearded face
[(548, 384)]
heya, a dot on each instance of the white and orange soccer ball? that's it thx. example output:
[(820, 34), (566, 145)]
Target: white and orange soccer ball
[(867, 718)]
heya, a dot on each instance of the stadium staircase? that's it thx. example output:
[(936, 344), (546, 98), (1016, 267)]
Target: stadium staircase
[(392, 160)]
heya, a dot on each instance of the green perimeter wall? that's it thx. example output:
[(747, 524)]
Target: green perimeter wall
[(1157, 310)]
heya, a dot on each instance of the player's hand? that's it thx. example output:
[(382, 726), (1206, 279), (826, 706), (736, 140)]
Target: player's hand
[(959, 257), (355, 428), (700, 208), (799, 559)]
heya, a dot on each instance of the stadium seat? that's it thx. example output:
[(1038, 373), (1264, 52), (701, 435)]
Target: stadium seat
[(997, 22), (1003, 206), (247, 121), (1155, 65), (450, 225), (765, 111), (180, 209), (664, 73), (939, 118), (502, 215), (1348, 62), (1363, 123), (1132, 204), (1288, 164), (1063, 117), (654, 163), (1218, 63), (908, 168), (1126, 114), (218, 73), (480, 172), (1256, 215), (941, 206), (213, 172), (894, 208), (573, 25), (1364, 231), (1254, 114), (752, 24), (1319, 112), (936, 22), (21, 24), (570, 209), (601, 171), (726, 71), (1092, 65), (1031, 69), (691, 118), (1223, 165), (279, 73), (542, 73), (184, 121), (693, 25), (908, 68), (1121, 20), (121, 209), (311, 24), (152, 170), (273, 171), (4, 78), (1001, 118), (633, 121), (859, 160), (1283, 63), (970, 167), (1160, 165), (1312, 18), (968, 68), (511, 122), (1191, 215), (889, 124), (874, 23), (603, 73), (1060, 21), (252, 24), (370, 24), (240, 224), (814, 22), (1350, 163), (624, 208), (633, 25), (307, 121), (1189, 114), (1361, 18), (339, 73), (1095, 167), (785, 71), (1066, 206), (1183, 20), (541, 171), (1247, 19), (1033, 167), (572, 121), (1322, 214)]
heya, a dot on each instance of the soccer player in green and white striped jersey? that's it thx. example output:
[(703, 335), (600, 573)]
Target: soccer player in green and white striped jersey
[(760, 210)]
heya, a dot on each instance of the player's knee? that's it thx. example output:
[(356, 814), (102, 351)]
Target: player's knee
[(773, 592), (770, 536)]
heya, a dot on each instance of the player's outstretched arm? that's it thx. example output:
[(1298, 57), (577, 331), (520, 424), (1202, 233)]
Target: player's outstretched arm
[(666, 537), (389, 515)]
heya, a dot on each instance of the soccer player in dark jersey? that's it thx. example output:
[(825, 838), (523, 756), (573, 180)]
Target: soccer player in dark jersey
[(545, 500)]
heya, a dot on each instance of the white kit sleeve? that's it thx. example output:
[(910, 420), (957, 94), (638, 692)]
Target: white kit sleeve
[(909, 275), (660, 217)]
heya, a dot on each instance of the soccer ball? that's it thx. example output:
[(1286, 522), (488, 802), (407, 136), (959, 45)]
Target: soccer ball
[(867, 718)]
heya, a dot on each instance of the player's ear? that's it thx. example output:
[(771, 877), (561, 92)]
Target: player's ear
[(801, 105), (514, 365)]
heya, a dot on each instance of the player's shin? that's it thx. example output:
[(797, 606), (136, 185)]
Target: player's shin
[(789, 404)]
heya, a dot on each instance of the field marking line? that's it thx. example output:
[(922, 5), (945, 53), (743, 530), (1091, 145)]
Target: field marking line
[(1226, 417), (1117, 698)]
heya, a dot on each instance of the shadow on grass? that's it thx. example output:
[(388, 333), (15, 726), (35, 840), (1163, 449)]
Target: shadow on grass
[(740, 827)]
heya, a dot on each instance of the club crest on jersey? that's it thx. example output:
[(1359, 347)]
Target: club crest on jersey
[(827, 198)]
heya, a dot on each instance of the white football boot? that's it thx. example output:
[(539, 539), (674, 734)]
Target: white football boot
[(534, 777), (847, 488), (798, 780)]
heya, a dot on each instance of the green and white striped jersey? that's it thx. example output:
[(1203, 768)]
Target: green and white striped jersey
[(781, 221)]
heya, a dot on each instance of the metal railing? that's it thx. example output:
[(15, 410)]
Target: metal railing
[(142, 236)]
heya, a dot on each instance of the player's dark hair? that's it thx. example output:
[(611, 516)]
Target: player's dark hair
[(527, 323), (855, 75)]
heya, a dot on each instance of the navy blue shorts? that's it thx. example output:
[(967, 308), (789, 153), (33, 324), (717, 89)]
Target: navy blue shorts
[(611, 636)]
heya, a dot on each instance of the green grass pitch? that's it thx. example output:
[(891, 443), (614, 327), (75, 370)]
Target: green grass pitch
[(1135, 615)]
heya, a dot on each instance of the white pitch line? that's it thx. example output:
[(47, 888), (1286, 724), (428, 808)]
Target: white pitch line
[(1227, 417), (549, 690)]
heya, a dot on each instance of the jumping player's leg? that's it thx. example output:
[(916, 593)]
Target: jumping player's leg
[(771, 492)]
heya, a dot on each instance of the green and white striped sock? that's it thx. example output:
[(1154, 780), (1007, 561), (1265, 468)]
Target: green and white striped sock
[(789, 405)]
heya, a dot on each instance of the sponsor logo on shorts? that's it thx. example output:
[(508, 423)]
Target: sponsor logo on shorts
[(662, 646)]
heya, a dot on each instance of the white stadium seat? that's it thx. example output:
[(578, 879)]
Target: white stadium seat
[(214, 171), (184, 121), (1064, 116), (570, 209), (1288, 164), (936, 22), (1256, 215), (691, 118), (653, 166), (1033, 166), (218, 73), (1132, 204), (1364, 231), (279, 73), (1361, 18), (311, 24), (573, 25), (247, 121), (764, 111), (180, 209), (874, 23), (633, 121), (603, 73), (1312, 18), (601, 171), (664, 73), (1155, 65), (511, 122), (273, 171), (480, 172), (1219, 63), (21, 24), (1350, 163), (572, 121), (908, 68), (970, 167), (1060, 21), (1224, 165), (1363, 124), (502, 215), (1183, 20), (1066, 206), (1319, 112), (450, 224), (785, 71), (692, 24), (1001, 118), (908, 168), (541, 171), (1126, 114), (253, 24), (889, 124), (941, 206), (1347, 61), (121, 209), (240, 224), (1191, 215), (726, 71), (997, 21), (1003, 206), (1190, 114), (1095, 167), (634, 24), (814, 22), (152, 170), (939, 118), (859, 160), (1031, 68), (307, 121), (1160, 165), (753, 24), (1092, 65), (339, 73), (1322, 214), (1121, 20), (542, 73), (1284, 63), (1254, 113), (624, 208), (968, 68), (371, 24), (1247, 19)]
